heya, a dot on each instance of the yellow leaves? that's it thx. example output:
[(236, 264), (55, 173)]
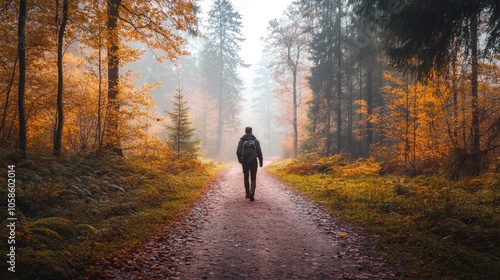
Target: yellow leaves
[(156, 24), (414, 120), (360, 167), (334, 165), (363, 106)]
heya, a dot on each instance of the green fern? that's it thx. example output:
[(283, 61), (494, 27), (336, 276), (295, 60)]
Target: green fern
[(86, 229), (51, 227), (52, 221), (47, 232)]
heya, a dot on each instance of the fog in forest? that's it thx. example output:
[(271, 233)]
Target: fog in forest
[(323, 78), (186, 73)]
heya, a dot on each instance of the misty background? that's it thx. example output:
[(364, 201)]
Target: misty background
[(186, 73)]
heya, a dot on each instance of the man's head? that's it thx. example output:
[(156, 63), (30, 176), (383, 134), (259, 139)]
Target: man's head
[(248, 129)]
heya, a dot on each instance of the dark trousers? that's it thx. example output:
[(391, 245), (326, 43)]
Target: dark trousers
[(250, 170)]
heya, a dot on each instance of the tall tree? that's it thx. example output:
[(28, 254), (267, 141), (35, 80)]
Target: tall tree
[(60, 79), (153, 25), (323, 52), (21, 45), (113, 107), (338, 52), (287, 43), (369, 56), (181, 132), (327, 72), (344, 58), (220, 64), (476, 144)]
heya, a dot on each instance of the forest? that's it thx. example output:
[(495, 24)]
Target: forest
[(404, 94), (359, 78)]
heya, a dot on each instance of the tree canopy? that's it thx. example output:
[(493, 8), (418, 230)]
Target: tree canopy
[(422, 35)]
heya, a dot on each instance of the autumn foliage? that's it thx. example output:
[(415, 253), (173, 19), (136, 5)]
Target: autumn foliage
[(102, 103), (426, 126)]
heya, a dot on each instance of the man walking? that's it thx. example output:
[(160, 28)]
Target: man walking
[(248, 152)]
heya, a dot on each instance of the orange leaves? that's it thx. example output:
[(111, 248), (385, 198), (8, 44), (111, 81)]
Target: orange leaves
[(423, 122), (414, 123), (156, 24)]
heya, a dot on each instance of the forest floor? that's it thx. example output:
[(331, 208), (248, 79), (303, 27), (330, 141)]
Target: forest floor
[(280, 235)]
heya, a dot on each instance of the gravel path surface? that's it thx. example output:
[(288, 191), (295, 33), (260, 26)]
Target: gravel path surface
[(280, 235)]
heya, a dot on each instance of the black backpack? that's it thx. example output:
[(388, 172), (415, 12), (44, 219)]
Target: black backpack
[(249, 150)]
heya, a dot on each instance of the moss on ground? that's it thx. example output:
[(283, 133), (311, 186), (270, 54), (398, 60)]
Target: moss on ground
[(73, 211), (438, 228)]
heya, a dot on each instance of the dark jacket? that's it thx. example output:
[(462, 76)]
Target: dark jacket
[(248, 136)]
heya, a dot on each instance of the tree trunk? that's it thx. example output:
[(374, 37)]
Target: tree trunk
[(218, 145), (99, 134), (268, 119), (414, 119), (6, 106), (179, 130), (407, 128), (328, 119), (295, 106), (204, 121), (360, 115), (455, 123), (21, 47), (349, 110), (112, 117), (60, 80), (339, 78), (476, 164), (369, 100)]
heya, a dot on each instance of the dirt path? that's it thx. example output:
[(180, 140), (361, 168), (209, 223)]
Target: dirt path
[(280, 235)]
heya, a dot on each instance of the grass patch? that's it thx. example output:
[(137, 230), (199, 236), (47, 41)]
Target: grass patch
[(73, 211), (439, 229)]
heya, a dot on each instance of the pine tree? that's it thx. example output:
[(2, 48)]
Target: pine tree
[(181, 131), (220, 64), (323, 47)]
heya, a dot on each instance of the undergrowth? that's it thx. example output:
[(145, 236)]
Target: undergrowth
[(73, 211), (437, 228)]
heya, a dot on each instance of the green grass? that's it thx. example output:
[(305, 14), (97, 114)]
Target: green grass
[(74, 211), (437, 228)]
